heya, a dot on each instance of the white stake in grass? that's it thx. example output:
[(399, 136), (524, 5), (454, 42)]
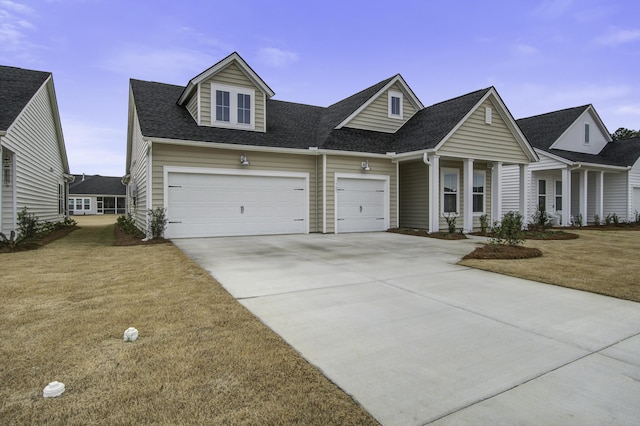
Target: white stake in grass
[(130, 334)]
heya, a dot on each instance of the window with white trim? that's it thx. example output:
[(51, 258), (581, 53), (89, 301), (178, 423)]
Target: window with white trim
[(558, 195), (586, 133), (232, 106), (542, 195), (395, 104), (450, 179), (79, 204), (479, 179)]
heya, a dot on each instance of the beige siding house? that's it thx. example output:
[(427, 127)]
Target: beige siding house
[(35, 170), (224, 158)]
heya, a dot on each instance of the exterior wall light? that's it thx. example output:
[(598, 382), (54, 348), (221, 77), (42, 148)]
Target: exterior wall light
[(365, 166), (243, 160)]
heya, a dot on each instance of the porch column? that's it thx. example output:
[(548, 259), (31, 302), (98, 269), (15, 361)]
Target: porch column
[(566, 197), (599, 195), (525, 177), (583, 195), (467, 205), (496, 191), (434, 194)]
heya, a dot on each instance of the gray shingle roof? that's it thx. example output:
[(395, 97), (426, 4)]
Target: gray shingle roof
[(544, 129), (17, 87), (299, 126), (97, 185)]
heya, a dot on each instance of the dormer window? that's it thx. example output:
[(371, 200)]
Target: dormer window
[(395, 104), (586, 133), (233, 106)]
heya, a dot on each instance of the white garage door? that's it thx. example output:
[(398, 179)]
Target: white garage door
[(212, 205), (361, 205), (636, 203)]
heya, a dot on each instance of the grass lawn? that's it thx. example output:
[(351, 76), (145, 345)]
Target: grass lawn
[(201, 357), (599, 262)]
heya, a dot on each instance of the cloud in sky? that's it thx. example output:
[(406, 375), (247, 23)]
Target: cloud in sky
[(14, 27), (90, 147), (619, 36), (275, 57), (552, 9)]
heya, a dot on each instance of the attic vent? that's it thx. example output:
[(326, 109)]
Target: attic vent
[(487, 115)]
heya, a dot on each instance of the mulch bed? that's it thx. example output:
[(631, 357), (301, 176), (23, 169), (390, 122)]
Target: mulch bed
[(43, 241), (124, 239), (425, 233), (539, 235), (498, 251), (611, 227)]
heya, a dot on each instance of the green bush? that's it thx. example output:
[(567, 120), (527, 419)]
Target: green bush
[(539, 220), (615, 219), (128, 225), (451, 219), (579, 220), (484, 223), (27, 224), (158, 221), (508, 231), (596, 219)]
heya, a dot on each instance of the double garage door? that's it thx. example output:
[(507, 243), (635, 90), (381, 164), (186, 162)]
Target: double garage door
[(227, 204), (211, 205)]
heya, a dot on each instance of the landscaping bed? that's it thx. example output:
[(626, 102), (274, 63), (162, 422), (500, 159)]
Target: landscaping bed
[(425, 233), (502, 251)]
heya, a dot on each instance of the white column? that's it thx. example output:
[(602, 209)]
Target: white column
[(566, 197), (434, 194), (583, 195), (467, 207), (525, 178), (599, 195), (496, 191)]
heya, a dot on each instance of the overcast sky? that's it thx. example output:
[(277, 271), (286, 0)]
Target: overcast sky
[(540, 55)]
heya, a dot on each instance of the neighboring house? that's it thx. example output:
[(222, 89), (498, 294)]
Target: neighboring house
[(224, 158), (97, 195), (35, 170), (581, 170)]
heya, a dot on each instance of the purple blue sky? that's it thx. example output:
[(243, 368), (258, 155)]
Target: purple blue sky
[(540, 55)]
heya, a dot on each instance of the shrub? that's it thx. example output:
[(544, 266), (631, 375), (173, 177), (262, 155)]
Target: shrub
[(615, 219), (128, 225), (579, 220), (637, 213), (607, 220), (540, 220), (484, 223), (508, 231), (27, 224), (596, 219), (159, 221), (451, 222)]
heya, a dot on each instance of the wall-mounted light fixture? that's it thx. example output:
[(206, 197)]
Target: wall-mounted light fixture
[(243, 160), (365, 166)]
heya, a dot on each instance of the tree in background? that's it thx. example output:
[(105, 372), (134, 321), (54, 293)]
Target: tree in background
[(624, 133)]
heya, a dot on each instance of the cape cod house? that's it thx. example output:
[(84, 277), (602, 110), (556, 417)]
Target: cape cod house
[(35, 169), (582, 173), (225, 158)]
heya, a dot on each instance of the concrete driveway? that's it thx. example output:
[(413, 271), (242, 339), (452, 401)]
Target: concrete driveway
[(417, 339)]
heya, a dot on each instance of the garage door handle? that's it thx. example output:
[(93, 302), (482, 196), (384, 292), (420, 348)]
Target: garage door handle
[(174, 221), (241, 209), (360, 209)]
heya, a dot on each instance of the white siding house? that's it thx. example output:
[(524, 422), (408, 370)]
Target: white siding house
[(35, 170)]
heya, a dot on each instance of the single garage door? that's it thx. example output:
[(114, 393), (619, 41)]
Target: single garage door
[(213, 205), (361, 205), (636, 203)]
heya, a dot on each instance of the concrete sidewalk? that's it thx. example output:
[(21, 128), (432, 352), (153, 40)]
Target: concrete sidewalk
[(417, 339)]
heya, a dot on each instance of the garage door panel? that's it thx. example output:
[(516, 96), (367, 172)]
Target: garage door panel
[(361, 204), (226, 205)]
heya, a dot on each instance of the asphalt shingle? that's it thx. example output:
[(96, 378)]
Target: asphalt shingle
[(17, 87)]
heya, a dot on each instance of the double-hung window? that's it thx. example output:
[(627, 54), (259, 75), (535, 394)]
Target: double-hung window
[(542, 195), (558, 195), (450, 190), (478, 191), (233, 106)]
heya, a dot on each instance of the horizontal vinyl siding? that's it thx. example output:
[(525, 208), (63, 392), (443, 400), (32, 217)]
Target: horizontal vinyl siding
[(192, 107), (343, 164), (492, 142), (38, 162), (414, 195), (376, 115), (138, 173), (615, 195), (185, 156), (232, 76), (511, 189), (634, 182)]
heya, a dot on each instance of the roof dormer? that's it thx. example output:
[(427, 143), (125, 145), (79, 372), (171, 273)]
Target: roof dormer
[(229, 95)]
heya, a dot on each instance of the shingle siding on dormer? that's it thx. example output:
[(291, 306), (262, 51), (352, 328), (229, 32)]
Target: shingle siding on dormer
[(232, 75), (375, 116)]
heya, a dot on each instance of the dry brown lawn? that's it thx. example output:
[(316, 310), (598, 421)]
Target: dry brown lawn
[(201, 357), (604, 262)]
